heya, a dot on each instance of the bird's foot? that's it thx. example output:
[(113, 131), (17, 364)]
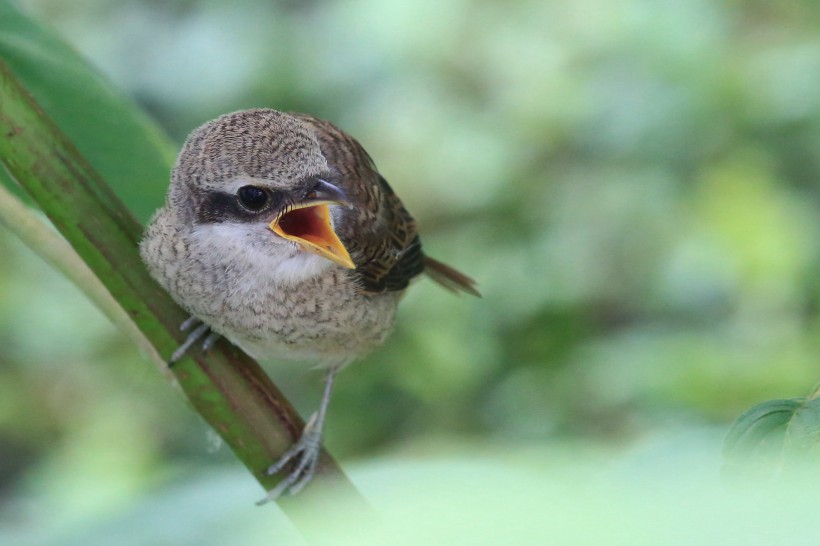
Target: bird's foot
[(196, 334), (305, 453)]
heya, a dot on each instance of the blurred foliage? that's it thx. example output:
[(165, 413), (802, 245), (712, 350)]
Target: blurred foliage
[(122, 144), (634, 184)]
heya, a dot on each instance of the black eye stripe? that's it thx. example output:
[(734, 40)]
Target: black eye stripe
[(217, 207), (247, 203)]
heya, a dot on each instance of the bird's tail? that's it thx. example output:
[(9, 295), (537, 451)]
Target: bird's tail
[(449, 278)]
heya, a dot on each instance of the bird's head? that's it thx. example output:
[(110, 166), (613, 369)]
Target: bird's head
[(258, 179)]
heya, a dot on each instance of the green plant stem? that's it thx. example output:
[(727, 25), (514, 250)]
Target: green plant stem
[(228, 389), (47, 243)]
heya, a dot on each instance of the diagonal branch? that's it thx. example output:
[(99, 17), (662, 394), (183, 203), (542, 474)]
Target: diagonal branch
[(228, 389)]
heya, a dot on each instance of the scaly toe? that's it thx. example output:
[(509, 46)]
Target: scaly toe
[(305, 453), (201, 330)]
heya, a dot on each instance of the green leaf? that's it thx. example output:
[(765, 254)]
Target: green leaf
[(803, 432), (122, 144), (774, 437)]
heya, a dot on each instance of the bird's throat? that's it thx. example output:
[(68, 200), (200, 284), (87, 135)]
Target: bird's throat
[(310, 227)]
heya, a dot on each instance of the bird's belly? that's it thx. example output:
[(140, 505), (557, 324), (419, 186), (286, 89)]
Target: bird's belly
[(321, 327)]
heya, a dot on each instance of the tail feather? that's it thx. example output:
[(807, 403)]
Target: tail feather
[(449, 278)]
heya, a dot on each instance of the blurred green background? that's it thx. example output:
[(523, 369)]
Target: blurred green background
[(633, 183)]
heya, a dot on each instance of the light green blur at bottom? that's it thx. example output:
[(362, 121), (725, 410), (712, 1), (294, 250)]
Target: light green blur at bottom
[(657, 494)]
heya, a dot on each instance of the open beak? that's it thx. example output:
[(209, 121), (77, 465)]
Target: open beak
[(308, 224)]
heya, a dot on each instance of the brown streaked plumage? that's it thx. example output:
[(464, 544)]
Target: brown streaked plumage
[(279, 233)]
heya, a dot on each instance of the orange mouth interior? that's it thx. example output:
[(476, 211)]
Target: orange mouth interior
[(310, 228)]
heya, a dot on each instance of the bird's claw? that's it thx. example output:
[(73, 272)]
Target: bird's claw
[(201, 330), (305, 453)]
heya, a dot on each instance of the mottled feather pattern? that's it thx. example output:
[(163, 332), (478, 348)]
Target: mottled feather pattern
[(379, 232)]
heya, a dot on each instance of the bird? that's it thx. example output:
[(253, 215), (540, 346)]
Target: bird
[(279, 234)]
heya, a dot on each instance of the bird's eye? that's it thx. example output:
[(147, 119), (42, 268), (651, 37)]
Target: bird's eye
[(253, 198)]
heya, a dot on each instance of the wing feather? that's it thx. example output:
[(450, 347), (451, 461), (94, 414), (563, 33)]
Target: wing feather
[(378, 231)]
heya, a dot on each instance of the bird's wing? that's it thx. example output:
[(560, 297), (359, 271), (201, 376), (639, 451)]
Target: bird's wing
[(378, 232), (393, 256)]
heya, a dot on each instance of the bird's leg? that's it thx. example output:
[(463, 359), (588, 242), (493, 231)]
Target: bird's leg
[(201, 330), (305, 452)]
